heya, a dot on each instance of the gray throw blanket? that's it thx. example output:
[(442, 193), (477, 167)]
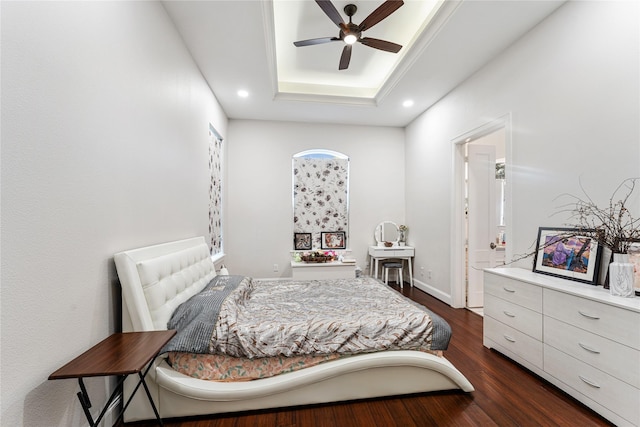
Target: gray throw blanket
[(195, 319)]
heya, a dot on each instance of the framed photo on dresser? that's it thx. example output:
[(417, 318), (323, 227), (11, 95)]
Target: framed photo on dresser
[(634, 258), (568, 253)]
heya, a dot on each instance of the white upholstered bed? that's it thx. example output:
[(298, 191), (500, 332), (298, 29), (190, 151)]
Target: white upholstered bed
[(157, 279)]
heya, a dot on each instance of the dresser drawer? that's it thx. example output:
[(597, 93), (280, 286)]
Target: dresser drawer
[(513, 340), (392, 252), (521, 293), (609, 356), (617, 396), (516, 316), (615, 323)]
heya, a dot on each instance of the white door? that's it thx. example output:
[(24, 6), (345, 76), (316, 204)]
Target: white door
[(481, 219)]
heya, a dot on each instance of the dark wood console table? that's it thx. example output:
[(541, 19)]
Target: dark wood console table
[(120, 354)]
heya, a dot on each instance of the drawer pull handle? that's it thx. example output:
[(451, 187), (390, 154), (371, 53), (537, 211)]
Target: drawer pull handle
[(589, 349), (508, 290), (589, 382), (590, 316), (506, 313), (508, 338)]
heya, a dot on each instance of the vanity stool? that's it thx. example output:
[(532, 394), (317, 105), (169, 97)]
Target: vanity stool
[(393, 265)]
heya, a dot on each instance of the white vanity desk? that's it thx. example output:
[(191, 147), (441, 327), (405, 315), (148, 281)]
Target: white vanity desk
[(378, 253), (388, 233)]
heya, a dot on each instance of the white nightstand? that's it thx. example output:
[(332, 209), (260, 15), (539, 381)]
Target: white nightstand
[(322, 270)]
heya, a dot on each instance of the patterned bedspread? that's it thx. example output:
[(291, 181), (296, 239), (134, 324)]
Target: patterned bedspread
[(291, 318)]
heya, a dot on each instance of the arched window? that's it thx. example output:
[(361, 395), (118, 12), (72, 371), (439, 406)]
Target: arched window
[(320, 193)]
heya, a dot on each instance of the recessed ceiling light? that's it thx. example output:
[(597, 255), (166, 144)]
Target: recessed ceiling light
[(408, 103), (243, 93)]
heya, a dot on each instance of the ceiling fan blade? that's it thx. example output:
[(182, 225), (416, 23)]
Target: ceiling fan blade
[(345, 58), (330, 10), (380, 44), (384, 10), (311, 42)]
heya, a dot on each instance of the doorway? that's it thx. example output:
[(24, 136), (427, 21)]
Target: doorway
[(485, 239), (481, 208)]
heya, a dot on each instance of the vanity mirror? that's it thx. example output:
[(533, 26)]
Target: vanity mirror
[(386, 231)]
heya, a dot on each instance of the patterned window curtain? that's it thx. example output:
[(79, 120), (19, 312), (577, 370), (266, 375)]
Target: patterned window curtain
[(320, 196), (215, 191)]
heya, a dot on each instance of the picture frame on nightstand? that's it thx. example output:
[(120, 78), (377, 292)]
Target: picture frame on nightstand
[(333, 240), (302, 241)]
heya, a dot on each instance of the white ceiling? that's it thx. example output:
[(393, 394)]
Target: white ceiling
[(249, 45)]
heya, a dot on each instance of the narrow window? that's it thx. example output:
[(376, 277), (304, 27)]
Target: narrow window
[(215, 191)]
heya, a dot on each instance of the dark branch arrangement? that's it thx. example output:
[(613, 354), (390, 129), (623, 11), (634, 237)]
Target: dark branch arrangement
[(612, 226)]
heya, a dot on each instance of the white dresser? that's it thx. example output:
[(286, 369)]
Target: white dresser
[(576, 336)]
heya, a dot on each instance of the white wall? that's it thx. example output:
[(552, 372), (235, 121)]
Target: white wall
[(104, 148), (259, 222), (572, 88)]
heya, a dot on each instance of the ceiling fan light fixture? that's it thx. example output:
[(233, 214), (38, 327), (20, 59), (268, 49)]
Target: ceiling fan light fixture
[(350, 33), (350, 39)]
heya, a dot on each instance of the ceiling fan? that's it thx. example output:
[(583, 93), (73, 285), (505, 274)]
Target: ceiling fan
[(351, 33)]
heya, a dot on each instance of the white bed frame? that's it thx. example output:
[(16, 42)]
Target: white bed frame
[(156, 279)]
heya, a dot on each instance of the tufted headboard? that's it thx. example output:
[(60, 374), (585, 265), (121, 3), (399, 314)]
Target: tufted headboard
[(156, 279)]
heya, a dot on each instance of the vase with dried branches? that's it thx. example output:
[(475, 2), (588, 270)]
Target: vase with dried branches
[(613, 226)]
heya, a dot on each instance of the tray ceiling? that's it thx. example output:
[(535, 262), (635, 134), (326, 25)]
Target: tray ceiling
[(248, 45)]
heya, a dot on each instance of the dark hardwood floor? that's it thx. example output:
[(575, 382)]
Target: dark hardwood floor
[(505, 394)]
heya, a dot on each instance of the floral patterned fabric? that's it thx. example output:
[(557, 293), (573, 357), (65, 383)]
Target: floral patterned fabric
[(216, 367), (320, 196)]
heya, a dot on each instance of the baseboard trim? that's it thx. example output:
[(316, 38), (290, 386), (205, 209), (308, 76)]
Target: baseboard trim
[(436, 293)]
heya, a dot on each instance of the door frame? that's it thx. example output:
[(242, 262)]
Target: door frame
[(458, 283)]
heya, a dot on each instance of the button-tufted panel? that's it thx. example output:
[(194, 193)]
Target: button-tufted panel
[(169, 280)]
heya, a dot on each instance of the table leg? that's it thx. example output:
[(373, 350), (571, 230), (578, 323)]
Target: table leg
[(146, 389), (376, 261), (410, 272), (85, 402), (83, 396)]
